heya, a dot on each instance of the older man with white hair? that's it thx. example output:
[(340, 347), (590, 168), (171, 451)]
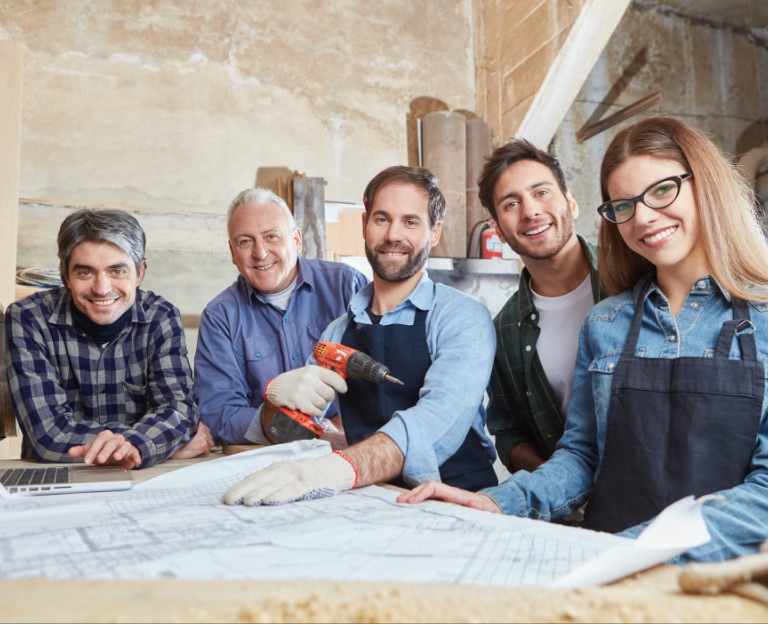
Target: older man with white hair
[(268, 320)]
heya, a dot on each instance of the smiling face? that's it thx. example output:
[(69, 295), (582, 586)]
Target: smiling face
[(264, 246), (396, 231), (533, 215), (668, 237), (102, 281)]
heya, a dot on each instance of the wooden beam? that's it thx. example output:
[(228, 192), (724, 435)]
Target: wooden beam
[(10, 142), (567, 74), (619, 116)]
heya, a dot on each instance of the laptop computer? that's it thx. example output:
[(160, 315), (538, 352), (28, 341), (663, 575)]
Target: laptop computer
[(65, 479)]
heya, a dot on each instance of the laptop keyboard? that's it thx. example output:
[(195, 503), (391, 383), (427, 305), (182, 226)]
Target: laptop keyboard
[(34, 476)]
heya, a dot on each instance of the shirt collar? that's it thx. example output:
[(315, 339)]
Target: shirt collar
[(706, 284), (420, 297)]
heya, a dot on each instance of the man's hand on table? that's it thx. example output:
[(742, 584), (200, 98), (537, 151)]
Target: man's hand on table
[(288, 481), (200, 444), (108, 448), (441, 491)]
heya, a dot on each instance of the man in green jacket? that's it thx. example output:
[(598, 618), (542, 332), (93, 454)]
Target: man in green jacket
[(537, 330)]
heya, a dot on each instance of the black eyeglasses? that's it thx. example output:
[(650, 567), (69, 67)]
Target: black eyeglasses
[(658, 195)]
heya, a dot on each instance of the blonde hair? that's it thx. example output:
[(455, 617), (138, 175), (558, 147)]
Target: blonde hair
[(733, 241)]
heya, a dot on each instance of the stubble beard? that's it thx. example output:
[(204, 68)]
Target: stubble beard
[(394, 274), (565, 226)]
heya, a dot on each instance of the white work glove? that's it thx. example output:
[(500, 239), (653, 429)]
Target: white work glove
[(308, 389), (288, 481)]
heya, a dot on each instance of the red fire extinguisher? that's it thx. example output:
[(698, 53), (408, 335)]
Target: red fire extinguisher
[(490, 243)]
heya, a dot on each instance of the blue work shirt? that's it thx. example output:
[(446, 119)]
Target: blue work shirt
[(461, 342), (245, 341), (738, 522)]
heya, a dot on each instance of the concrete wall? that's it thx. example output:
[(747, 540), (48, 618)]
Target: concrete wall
[(167, 108), (706, 70)]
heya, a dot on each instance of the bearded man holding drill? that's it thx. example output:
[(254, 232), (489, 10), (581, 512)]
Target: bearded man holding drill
[(438, 341)]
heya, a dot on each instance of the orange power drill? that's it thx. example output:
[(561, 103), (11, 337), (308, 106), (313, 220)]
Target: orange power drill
[(287, 425)]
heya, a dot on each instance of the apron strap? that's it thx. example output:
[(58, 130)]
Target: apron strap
[(637, 320), (740, 326)]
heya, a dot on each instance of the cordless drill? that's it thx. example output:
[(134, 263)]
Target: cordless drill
[(287, 425)]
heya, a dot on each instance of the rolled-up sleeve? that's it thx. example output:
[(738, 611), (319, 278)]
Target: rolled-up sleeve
[(462, 343)]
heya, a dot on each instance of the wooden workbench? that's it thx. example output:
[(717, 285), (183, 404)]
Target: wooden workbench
[(649, 597)]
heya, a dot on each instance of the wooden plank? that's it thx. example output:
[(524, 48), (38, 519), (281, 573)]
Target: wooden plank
[(570, 69), (309, 212), (10, 142)]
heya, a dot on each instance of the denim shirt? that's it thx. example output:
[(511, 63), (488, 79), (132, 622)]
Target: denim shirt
[(738, 519), (461, 342)]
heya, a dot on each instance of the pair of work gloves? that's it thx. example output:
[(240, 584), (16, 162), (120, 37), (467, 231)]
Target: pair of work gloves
[(309, 390)]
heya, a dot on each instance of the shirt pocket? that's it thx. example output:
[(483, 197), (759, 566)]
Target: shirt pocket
[(601, 371), (134, 398), (315, 330), (258, 350)]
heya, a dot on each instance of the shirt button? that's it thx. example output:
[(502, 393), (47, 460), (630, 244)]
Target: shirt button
[(527, 347), (702, 284), (258, 355), (610, 366), (294, 357), (518, 324), (286, 320), (694, 305), (672, 338), (533, 316), (528, 393)]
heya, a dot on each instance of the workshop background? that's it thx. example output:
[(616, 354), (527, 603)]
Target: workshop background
[(169, 108)]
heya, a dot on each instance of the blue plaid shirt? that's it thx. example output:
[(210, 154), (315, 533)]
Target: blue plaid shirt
[(66, 387)]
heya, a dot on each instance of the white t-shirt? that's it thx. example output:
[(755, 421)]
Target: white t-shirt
[(560, 320), (283, 298)]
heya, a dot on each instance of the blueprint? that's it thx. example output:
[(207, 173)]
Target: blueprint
[(175, 526)]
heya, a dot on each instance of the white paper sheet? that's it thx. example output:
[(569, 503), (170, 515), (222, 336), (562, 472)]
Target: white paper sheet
[(175, 526), (677, 529)]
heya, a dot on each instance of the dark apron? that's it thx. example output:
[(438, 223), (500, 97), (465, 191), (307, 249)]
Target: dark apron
[(366, 406), (677, 427)]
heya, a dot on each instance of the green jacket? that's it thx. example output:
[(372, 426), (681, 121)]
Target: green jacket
[(523, 407)]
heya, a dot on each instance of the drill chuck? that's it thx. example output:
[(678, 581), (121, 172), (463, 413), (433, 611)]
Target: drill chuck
[(362, 366)]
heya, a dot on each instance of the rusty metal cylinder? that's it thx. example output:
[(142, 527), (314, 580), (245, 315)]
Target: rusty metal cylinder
[(478, 148), (444, 145)]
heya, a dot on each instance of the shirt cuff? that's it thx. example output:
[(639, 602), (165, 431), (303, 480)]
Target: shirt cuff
[(420, 460), (508, 497)]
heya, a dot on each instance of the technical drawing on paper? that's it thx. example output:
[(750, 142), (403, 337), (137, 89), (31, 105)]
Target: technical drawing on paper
[(176, 526)]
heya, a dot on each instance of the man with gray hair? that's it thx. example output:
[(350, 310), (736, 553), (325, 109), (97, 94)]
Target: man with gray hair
[(98, 368), (268, 320)]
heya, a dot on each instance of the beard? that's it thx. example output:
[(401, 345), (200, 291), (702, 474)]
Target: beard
[(389, 273), (523, 249)]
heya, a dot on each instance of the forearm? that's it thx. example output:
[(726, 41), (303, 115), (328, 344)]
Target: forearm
[(524, 456), (377, 459)]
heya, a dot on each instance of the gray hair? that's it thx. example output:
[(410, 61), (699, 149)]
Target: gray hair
[(100, 226), (258, 195)]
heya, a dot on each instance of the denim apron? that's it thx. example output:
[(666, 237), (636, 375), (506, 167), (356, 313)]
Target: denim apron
[(677, 427), (367, 406)]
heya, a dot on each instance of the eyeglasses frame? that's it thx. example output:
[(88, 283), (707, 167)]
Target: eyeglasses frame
[(678, 179)]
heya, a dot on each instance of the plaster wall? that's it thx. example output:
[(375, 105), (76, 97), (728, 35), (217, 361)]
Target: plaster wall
[(708, 73), (166, 108)]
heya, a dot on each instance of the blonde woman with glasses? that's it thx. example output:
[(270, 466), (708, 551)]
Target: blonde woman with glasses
[(670, 396)]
